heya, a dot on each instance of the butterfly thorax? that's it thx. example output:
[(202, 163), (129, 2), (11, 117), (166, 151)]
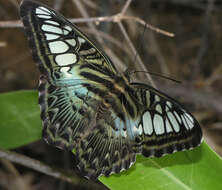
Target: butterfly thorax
[(121, 96)]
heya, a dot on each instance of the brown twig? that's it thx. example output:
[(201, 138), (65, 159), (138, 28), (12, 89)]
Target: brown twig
[(118, 18), (19, 182), (113, 18), (133, 49), (45, 169), (110, 39), (125, 7), (11, 24), (84, 13)]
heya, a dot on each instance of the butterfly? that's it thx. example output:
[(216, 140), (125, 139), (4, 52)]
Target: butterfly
[(89, 106)]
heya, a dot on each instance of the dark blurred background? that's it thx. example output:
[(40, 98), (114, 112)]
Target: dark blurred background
[(193, 57)]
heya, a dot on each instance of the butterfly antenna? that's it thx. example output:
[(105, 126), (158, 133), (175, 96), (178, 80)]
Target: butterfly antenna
[(156, 74)]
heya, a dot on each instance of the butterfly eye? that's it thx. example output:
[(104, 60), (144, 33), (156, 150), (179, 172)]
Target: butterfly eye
[(107, 100)]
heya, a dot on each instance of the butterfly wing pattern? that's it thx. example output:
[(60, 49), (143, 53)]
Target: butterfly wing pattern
[(87, 105), (70, 92), (61, 51), (167, 126)]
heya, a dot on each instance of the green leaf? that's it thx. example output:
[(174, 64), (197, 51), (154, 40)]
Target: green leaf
[(198, 169), (20, 119)]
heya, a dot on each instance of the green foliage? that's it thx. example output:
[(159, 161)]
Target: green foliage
[(20, 119), (198, 169)]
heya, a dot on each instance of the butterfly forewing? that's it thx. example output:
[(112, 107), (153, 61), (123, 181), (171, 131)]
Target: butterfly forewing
[(167, 126), (87, 105), (58, 45)]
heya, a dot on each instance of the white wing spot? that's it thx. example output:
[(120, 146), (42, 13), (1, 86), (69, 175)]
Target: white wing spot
[(64, 69), (58, 47), (178, 117), (168, 126), (138, 130), (42, 10), (169, 104), (72, 42), (54, 29), (157, 98), (52, 22), (147, 123), (158, 108), (189, 121), (66, 59), (123, 133), (51, 36), (57, 125), (185, 123), (65, 32), (68, 28), (189, 117), (45, 9), (158, 124), (173, 122), (81, 40), (65, 72), (44, 16)]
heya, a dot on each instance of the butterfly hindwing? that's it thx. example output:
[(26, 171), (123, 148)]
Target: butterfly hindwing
[(100, 153), (167, 126), (63, 113)]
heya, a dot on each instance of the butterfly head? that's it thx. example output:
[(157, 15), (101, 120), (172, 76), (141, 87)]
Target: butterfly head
[(126, 75), (122, 79)]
